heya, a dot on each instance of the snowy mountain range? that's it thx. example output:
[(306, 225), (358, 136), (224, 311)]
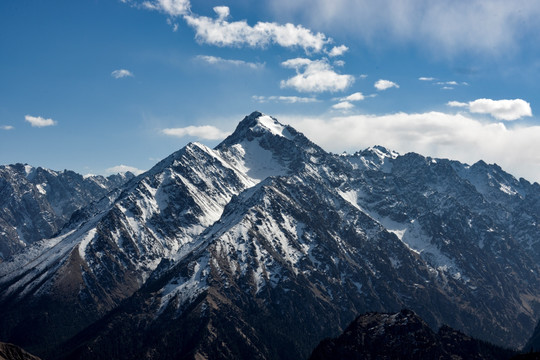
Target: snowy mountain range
[(266, 244), (35, 203)]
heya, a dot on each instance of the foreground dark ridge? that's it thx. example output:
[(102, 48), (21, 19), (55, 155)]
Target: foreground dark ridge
[(13, 352), (266, 244), (405, 336)]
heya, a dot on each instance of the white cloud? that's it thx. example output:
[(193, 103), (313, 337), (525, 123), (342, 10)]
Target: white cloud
[(338, 50), (499, 109), (446, 28), (344, 105), (121, 73), (222, 12), (285, 99), (457, 104), (315, 76), (238, 33), (385, 84), (447, 83), (122, 169), (454, 136), (38, 121), (213, 60), (424, 78), (357, 96), (206, 132), (339, 63), (7, 127), (169, 7)]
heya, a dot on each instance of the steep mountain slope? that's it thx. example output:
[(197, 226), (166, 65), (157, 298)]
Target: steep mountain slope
[(403, 335), (12, 352), (266, 244), (35, 203)]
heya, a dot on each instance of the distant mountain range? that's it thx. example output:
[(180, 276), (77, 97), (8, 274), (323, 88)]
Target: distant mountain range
[(263, 246)]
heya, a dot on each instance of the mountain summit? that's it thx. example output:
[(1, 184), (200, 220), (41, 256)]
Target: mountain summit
[(266, 244)]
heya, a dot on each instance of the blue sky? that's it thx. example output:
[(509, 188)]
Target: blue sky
[(98, 86)]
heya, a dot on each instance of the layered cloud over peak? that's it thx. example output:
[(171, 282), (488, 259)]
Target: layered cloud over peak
[(454, 136)]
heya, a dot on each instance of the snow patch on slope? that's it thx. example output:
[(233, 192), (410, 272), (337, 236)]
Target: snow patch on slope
[(267, 123)]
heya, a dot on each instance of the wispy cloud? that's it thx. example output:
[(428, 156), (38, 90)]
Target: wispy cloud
[(447, 28), (207, 132), (121, 73), (315, 76), (6, 127), (344, 105), (454, 136), (499, 109), (220, 32), (357, 96), (424, 78), (385, 84), (214, 60), (122, 169), (38, 121), (170, 7), (285, 99)]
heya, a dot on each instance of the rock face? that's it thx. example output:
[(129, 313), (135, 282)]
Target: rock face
[(35, 203), (403, 335), (12, 352), (266, 244)]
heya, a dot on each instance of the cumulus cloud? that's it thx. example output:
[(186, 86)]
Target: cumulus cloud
[(385, 84), (121, 73), (38, 121), (499, 109), (220, 32), (344, 105), (338, 50), (207, 132), (285, 99), (315, 76), (7, 127), (215, 60), (454, 136), (122, 169), (170, 7), (446, 28)]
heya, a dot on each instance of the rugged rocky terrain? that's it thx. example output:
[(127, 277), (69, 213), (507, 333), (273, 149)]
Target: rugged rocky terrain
[(35, 203), (266, 244), (13, 352), (403, 335)]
